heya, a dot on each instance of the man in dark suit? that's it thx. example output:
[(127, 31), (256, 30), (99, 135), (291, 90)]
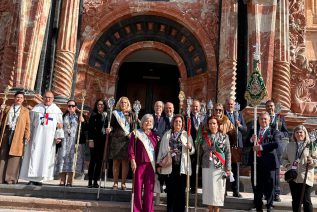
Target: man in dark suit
[(268, 141), (160, 122), (196, 120), (159, 127), (169, 114), (277, 123), (237, 120)]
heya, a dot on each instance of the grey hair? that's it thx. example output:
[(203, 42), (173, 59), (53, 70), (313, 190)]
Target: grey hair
[(301, 127), (159, 102), (145, 117)]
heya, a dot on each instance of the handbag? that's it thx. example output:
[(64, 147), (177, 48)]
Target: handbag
[(236, 154), (166, 161), (290, 175)]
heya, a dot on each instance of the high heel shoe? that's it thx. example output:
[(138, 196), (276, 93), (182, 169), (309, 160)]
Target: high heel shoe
[(115, 186), (123, 186)]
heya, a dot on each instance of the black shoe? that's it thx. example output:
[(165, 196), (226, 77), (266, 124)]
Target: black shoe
[(95, 185), (89, 183), (277, 198), (31, 183), (270, 209), (69, 185), (259, 210), (236, 194), (34, 183)]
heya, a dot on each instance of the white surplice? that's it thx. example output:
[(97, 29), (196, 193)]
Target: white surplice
[(39, 157)]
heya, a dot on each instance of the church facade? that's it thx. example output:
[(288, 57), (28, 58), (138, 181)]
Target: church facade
[(150, 50)]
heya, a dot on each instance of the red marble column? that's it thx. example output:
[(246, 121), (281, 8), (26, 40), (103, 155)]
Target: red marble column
[(281, 68), (9, 19), (23, 50), (228, 51), (66, 49), (33, 21), (263, 13)]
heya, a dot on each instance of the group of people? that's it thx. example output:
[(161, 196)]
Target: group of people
[(162, 148)]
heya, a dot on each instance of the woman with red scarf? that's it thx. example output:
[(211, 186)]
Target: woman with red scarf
[(216, 164)]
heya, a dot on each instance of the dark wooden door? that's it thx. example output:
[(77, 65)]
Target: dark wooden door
[(139, 82)]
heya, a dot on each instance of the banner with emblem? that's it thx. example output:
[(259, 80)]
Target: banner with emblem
[(256, 90)]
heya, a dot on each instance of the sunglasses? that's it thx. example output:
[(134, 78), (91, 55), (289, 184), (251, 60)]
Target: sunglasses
[(218, 110), (71, 105)]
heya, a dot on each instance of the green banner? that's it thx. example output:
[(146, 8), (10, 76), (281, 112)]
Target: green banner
[(256, 90)]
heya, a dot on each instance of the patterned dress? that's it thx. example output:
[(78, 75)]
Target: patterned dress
[(65, 155), (119, 140), (213, 171)]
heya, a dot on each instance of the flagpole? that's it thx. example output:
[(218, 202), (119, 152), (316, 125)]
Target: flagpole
[(189, 103), (83, 95), (198, 139), (104, 166), (5, 98), (136, 108), (236, 117), (255, 143)]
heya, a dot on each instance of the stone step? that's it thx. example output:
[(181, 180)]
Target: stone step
[(80, 197)]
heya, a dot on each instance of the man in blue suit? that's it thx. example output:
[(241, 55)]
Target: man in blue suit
[(277, 123), (160, 122), (268, 142), (197, 121), (237, 120), (160, 125)]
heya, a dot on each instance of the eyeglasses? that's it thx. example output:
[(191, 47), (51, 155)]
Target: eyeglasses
[(219, 110), (71, 105), (48, 97)]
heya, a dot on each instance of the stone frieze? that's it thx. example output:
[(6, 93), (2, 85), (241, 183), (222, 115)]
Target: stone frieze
[(303, 71)]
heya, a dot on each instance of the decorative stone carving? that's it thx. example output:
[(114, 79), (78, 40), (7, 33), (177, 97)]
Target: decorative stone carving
[(66, 48), (303, 72), (228, 51), (5, 23), (281, 64)]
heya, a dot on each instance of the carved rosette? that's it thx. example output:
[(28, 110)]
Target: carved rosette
[(63, 73)]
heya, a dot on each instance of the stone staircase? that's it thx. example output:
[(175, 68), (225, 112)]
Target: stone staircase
[(51, 197)]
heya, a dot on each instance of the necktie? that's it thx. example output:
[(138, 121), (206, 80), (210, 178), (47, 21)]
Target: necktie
[(157, 120), (260, 141), (231, 118), (272, 119)]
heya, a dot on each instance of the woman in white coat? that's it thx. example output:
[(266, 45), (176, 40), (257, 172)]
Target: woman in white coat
[(176, 142)]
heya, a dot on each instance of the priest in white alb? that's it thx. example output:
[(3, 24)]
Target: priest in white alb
[(46, 132)]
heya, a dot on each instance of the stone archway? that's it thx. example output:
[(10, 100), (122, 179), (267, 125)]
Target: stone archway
[(148, 45), (145, 32)]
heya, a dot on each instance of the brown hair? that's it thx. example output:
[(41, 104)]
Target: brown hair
[(183, 121)]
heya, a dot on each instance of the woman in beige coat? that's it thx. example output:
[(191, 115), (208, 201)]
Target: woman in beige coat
[(297, 155), (176, 143), (15, 129)]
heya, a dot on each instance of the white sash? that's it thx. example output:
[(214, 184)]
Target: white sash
[(122, 120), (147, 145)]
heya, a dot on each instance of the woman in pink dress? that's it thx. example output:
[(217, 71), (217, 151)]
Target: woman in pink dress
[(142, 155)]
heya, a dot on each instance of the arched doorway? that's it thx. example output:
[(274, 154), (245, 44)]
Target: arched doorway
[(149, 76)]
